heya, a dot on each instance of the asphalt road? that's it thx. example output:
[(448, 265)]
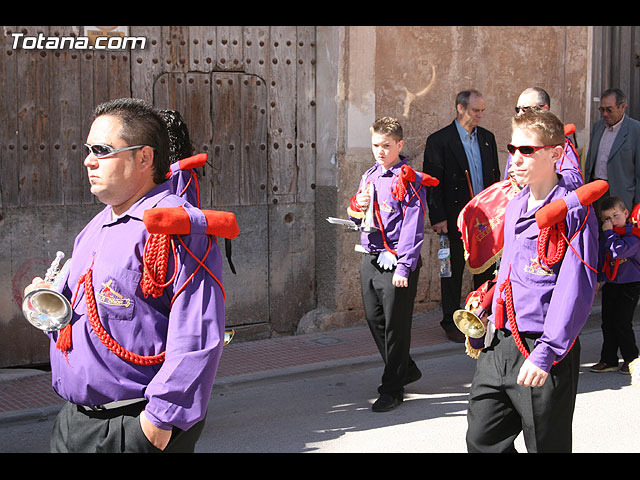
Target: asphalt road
[(329, 411)]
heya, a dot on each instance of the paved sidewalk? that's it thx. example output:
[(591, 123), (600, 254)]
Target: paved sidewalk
[(26, 394)]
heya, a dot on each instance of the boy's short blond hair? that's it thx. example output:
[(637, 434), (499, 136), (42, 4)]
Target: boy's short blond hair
[(547, 127), (388, 126)]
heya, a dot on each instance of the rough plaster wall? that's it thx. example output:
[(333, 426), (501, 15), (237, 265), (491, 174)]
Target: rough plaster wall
[(415, 76)]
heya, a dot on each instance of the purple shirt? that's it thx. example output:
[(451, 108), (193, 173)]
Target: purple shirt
[(191, 331), (403, 222), (625, 248), (552, 302)]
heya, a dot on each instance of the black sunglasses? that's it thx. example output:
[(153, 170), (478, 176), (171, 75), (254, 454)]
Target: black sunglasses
[(524, 109), (526, 149), (103, 151)]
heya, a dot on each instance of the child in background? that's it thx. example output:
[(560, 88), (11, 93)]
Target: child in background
[(619, 268)]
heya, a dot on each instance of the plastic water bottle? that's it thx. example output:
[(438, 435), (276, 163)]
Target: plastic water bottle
[(444, 256)]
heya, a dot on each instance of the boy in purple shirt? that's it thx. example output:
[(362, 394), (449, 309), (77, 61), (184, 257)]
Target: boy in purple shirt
[(391, 256), (526, 374), (619, 269)]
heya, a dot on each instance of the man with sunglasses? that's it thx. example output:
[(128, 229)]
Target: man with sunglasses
[(464, 157), (614, 149), (569, 165), (527, 369), (136, 367)]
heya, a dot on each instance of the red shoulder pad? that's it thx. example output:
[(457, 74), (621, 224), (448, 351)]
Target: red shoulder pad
[(193, 162), (556, 211), (569, 128), (407, 174), (176, 221), (429, 181), (623, 230)]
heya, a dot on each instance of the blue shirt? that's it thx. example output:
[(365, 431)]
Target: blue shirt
[(472, 150)]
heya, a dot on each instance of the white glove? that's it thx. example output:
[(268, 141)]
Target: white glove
[(387, 260)]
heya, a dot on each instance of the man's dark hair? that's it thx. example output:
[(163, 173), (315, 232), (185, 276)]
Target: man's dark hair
[(180, 145), (141, 125), (607, 203)]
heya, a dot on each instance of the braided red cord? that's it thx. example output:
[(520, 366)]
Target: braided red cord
[(552, 235), (376, 211), (155, 261), (104, 336), (511, 317)]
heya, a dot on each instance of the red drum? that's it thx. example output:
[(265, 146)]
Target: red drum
[(481, 223)]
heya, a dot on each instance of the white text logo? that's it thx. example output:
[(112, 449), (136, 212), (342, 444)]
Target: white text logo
[(42, 42)]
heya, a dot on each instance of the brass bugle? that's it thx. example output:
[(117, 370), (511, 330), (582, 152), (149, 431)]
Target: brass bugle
[(228, 336), (45, 308), (469, 323), (368, 224)]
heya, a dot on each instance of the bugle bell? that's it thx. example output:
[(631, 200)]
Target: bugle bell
[(469, 323), (45, 308)]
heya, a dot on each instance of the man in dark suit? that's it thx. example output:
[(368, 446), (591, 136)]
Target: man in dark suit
[(614, 150), (464, 157)]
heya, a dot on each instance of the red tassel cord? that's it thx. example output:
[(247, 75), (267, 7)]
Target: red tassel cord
[(551, 245), (155, 264), (608, 271)]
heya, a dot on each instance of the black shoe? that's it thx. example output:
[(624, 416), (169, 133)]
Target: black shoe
[(386, 402), (413, 376), (455, 336)]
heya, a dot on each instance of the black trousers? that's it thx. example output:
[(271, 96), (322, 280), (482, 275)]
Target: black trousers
[(499, 408), (451, 287), (113, 431), (618, 306), (389, 312)]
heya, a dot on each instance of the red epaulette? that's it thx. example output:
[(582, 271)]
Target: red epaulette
[(557, 210), (179, 221)]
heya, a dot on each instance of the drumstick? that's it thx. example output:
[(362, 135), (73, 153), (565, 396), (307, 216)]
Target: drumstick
[(466, 172)]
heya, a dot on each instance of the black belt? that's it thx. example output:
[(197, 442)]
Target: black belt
[(111, 405)]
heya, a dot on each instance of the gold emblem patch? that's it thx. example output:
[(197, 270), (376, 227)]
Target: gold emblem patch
[(385, 207), (109, 296), (536, 268)]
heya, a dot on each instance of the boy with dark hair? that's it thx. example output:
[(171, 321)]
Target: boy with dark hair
[(620, 272)]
